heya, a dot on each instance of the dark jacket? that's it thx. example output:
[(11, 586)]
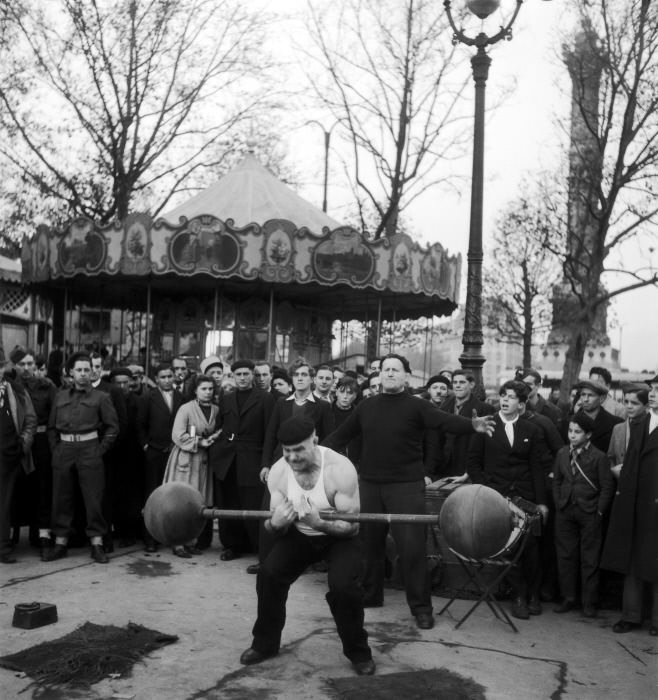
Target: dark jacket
[(633, 529), (154, 419), (512, 470), (603, 425), (454, 448), (83, 411), (243, 436), (318, 411), (568, 487)]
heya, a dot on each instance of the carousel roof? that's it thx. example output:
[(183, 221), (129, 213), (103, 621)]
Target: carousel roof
[(251, 193), (251, 234)]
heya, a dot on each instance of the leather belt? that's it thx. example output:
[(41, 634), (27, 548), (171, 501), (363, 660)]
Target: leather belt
[(79, 437), (42, 428)]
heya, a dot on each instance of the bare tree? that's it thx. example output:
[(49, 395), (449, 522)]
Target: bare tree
[(613, 166), (111, 105), (390, 78), (521, 269)]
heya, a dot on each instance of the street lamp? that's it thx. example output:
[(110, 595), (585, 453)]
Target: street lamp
[(472, 358), (327, 140)]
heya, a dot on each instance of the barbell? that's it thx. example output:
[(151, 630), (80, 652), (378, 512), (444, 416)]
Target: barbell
[(476, 520), (175, 514)]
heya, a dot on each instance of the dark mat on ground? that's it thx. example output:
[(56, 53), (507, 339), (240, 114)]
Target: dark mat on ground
[(87, 655), (411, 685)]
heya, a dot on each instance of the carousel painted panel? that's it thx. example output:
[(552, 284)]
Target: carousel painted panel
[(136, 243), (439, 273), (81, 249), (403, 264), (202, 244), (278, 252), (343, 256)]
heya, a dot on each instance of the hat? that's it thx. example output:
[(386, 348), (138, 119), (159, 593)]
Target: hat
[(633, 388), (120, 372), (16, 355), (654, 380), (597, 387), (438, 378), (295, 430), (135, 369), (209, 362), (281, 374), (242, 364)]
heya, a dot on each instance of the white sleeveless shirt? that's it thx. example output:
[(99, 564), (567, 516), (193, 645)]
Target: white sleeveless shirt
[(299, 497)]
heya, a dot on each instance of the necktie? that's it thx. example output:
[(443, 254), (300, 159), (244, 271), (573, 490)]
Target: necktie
[(509, 431)]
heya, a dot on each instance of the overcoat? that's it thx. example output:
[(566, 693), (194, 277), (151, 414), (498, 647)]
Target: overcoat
[(188, 461), (633, 530), (242, 437)]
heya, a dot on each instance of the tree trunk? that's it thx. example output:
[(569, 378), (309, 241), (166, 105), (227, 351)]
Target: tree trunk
[(573, 362)]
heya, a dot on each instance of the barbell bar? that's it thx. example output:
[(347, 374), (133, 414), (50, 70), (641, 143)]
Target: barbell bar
[(175, 514)]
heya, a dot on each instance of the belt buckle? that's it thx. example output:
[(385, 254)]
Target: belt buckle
[(76, 437), (233, 436)]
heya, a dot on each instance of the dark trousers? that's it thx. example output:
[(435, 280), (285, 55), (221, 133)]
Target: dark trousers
[(155, 463), (238, 535), (634, 589), (410, 541), (578, 540), (44, 481), (83, 458), (9, 470), (525, 578), (289, 556)]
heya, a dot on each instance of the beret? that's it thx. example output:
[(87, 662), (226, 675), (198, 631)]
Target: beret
[(209, 362), (16, 355), (242, 364), (438, 378), (120, 372), (136, 369), (597, 387), (295, 430)]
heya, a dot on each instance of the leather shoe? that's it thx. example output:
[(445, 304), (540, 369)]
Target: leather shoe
[(519, 609), (193, 550), (564, 606), (150, 547), (624, 626), (228, 555), (424, 621), (251, 656), (364, 668), (7, 559), (59, 551), (181, 552), (589, 611), (253, 568), (534, 605), (98, 554)]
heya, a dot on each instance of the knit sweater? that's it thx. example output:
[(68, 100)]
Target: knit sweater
[(391, 427)]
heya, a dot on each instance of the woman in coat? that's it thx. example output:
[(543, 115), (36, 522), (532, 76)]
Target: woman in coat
[(192, 435)]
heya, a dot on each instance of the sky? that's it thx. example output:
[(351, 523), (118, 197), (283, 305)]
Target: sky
[(522, 139)]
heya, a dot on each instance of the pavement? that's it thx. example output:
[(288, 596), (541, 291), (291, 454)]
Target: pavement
[(211, 605)]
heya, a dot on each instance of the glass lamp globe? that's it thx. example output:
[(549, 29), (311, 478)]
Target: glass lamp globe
[(482, 8)]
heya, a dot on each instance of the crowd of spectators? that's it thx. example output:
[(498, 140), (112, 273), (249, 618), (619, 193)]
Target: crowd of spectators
[(81, 449)]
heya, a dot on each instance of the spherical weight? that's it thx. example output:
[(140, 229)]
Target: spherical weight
[(172, 514), (476, 521)]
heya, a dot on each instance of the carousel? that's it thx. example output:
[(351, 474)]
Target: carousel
[(246, 268)]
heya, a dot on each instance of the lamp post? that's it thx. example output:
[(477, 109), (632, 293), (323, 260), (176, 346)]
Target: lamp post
[(472, 358), (327, 141)]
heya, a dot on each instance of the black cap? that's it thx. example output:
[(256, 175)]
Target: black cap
[(295, 430)]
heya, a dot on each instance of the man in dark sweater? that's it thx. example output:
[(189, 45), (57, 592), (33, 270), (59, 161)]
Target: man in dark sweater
[(392, 479)]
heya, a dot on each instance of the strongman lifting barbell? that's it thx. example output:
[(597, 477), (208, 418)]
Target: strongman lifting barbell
[(476, 520)]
